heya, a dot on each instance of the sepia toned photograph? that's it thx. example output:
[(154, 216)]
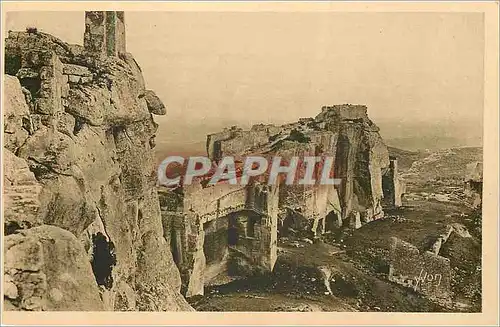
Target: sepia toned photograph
[(291, 161)]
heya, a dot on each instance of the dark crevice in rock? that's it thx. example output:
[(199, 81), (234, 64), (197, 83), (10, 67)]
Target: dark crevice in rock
[(79, 123), (40, 169), (116, 130), (27, 125), (174, 247), (103, 260), (33, 85), (12, 64), (10, 227), (139, 217), (20, 147), (152, 142)]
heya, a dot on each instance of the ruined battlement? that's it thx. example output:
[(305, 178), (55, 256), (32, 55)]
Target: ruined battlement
[(105, 33), (344, 112)]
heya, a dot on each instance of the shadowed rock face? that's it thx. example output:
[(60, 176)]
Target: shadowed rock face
[(20, 194), (79, 134)]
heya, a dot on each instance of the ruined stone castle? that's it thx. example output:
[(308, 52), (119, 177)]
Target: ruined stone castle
[(224, 229)]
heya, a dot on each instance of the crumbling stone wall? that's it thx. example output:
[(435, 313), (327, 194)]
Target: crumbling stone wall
[(344, 133), (105, 32), (197, 215), (79, 136)]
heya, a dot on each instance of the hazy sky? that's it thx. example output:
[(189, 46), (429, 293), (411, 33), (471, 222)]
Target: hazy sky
[(276, 67)]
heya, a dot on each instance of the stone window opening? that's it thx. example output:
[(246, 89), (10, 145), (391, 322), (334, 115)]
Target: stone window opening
[(232, 236), (250, 227)]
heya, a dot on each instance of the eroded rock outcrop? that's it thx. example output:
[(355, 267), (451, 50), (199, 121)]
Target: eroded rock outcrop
[(79, 118), (20, 194), (46, 269), (16, 113)]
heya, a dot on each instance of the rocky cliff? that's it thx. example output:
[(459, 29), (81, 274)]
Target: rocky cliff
[(82, 218)]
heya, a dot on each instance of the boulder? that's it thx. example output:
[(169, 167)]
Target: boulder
[(46, 268), (155, 105), (426, 273)]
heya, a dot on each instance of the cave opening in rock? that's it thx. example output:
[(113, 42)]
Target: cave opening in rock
[(11, 227), (79, 123), (12, 64), (32, 84), (103, 260), (331, 221)]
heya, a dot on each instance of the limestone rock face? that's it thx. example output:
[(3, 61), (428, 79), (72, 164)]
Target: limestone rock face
[(89, 150), (46, 268), (21, 194), (16, 115)]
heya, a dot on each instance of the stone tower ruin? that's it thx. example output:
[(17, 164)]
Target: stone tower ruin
[(104, 32)]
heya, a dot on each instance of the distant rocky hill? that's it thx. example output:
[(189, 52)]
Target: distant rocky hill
[(405, 157)]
